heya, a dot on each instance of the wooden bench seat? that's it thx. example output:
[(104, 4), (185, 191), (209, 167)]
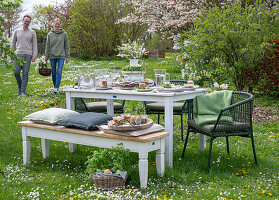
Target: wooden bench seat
[(141, 144)]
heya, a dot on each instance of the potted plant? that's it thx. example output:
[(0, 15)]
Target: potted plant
[(107, 167), (133, 51), (42, 65)]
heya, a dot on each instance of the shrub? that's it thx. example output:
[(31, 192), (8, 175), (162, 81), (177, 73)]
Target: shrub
[(269, 71), (227, 41), (116, 158), (92, 30)]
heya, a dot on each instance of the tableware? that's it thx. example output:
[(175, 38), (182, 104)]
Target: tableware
[(85, 81), (160, 77), (107, 88), (136, 62), (130, 127), (144, 90), (191, 88), (171, 89), (187, 89)]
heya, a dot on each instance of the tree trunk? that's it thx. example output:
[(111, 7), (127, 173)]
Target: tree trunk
[(239, 82)]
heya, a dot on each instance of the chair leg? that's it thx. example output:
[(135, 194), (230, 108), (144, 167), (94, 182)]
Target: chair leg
[(254, 152), (186, 141), (182, 126), (209, 156), (158, 118), (228, 148)]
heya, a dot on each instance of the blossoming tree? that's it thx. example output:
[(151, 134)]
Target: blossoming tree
[(167, 16)]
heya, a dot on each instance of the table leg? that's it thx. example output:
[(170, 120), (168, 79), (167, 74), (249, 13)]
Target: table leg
[(160, 158), (143, 168), (72, 147), (202, 138), (69, 101), (110, 108), (70, 106), (26, 146), (202, 142), (169, 129), (45, 147)]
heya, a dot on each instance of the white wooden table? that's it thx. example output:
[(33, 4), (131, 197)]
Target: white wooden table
[(141, 144), (166, 97)]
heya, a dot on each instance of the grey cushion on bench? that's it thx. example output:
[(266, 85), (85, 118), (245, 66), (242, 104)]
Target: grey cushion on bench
[(86, 121)]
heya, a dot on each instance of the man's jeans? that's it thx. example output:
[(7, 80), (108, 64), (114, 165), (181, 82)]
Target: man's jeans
[(56, 71), (22, 82)]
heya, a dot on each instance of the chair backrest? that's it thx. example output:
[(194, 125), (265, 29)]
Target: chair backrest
[(80, 106), (238, 96), (243, 112), (178, 82)]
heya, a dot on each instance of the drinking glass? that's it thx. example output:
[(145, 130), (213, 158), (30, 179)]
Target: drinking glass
[(160, 77)]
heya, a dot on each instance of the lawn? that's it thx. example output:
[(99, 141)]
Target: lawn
[(61, 176)]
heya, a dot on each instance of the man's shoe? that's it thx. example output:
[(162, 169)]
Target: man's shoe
[(19, 92), (23, 94), (55, 90)]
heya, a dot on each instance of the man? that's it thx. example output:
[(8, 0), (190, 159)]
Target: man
[(25, 46)]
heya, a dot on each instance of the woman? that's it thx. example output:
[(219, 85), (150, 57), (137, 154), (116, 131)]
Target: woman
[(57, 49)]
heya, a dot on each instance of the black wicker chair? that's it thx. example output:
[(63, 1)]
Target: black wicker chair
[(98, 106), (240, 110), (179, 108)]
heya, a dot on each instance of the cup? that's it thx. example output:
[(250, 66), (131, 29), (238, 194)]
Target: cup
[(136, 62)]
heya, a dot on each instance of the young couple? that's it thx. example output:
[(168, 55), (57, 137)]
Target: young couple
[(57, 49)]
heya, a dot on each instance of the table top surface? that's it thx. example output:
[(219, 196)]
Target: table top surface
[(98, 133), (133, 92)]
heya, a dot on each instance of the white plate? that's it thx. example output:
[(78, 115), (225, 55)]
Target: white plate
[(144, 90), (171, 90), (186, 89), (108, 88), (193, 88)]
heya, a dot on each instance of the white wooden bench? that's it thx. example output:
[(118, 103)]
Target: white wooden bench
[(141, 144)]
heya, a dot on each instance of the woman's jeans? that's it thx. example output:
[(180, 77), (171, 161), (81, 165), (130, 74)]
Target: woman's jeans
[(25, 67), (56, 67)]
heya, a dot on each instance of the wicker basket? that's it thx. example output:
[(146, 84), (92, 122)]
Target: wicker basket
[(45, 71), (107, 182)]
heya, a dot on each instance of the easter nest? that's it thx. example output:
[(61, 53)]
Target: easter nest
[(130, 126)]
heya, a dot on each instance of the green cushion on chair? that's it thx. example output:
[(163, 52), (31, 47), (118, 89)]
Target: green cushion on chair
[(235, 126), (161, 106), (101, 106)]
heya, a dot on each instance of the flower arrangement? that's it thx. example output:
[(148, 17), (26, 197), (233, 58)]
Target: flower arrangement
[(41, 62), (133, 50), (42, 66)]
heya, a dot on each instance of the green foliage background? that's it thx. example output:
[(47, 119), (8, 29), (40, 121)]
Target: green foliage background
[(226, 41), (92, 29), (6, 54)]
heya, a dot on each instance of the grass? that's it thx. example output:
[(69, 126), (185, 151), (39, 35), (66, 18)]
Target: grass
[(61, 176)]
